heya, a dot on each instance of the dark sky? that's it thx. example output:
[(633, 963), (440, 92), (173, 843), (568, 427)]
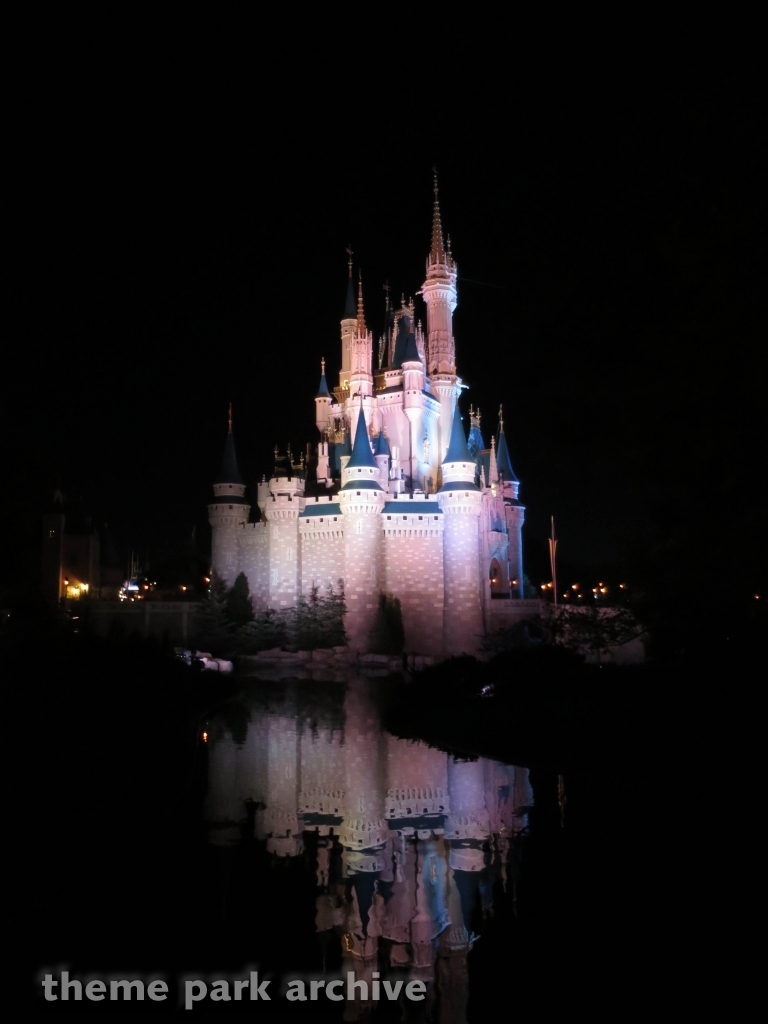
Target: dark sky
[(178, 242)]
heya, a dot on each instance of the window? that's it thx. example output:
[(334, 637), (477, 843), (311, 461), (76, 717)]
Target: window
[(389, 517)]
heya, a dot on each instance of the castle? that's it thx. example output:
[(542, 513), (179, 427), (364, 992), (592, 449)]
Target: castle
[(404, 504)]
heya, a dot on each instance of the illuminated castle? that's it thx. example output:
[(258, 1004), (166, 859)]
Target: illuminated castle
[(404, 503)]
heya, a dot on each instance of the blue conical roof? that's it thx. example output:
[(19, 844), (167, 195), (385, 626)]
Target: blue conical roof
[(457, 447), (503, 461), (322, 391), (403, 328), (229, 473), (361, 450), (411, 354), (381, 445), (475, 442)]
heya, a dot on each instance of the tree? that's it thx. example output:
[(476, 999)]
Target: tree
[(388, 634), (593, 630), (265, 631), (213, 629), (239, 603)]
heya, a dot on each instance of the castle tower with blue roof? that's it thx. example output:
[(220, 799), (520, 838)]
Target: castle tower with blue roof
[(396, 501)]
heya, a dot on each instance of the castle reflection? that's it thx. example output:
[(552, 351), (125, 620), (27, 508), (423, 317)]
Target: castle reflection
[(407, 844)]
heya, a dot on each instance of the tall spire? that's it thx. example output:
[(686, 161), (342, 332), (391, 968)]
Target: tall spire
[(457, 447), (323, 391), (493, 469), (229, 472), (502, 457), (437, 252), (360, 310)]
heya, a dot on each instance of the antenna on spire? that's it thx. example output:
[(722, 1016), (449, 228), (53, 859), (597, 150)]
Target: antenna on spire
[(322, 365), (437, 253), (386, 288), (360, 310), (501, 419), (349, 261), (230, 418)]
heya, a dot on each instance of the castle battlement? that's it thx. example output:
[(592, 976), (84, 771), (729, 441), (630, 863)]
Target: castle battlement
[(395, 500)]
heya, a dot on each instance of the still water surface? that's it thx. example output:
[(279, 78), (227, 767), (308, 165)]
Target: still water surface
[(337, 849)]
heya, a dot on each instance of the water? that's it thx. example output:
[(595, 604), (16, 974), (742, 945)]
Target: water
[(302, 841), (383, 859)]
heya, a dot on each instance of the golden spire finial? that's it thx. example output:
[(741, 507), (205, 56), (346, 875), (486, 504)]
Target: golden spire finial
[(501, 419), (230, 418), (437, 253), (349, 261), (322, 365), (360, 310)]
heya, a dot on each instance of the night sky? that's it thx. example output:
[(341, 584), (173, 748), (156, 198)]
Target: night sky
[(178, 242)]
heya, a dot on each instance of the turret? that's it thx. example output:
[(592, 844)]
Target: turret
[(361, 500), (514, 512), (413, 406), (323, 402), (382, 454), (228, 513), (460, 501)]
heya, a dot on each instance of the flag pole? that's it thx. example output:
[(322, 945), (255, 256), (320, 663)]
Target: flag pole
[(552, 552)]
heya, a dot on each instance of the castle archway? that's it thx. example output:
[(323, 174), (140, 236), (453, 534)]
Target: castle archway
[(497, 582)]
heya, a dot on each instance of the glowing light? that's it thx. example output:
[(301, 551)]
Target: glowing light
[(622, 586), (206, 579), (574, 586), (757, 597), (514, 583), (183, 588), (205, 737), (604, 590)]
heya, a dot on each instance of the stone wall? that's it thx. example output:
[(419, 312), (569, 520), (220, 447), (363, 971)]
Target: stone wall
[(322, 554), (254, 562), (413, 572)]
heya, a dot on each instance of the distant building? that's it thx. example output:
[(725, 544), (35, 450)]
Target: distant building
[(71, 557)]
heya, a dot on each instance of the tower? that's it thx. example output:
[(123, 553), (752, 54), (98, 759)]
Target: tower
[(228, 512), (348, 328), (439, 293), (361, 500), (459, 499), (514, 511)]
